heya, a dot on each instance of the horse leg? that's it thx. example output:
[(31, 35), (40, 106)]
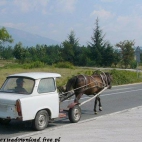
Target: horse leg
[(95, 105), (100, 105), (78, 96)]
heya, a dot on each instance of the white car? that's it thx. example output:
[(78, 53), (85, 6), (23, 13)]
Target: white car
[(33, 96), (30, 96)]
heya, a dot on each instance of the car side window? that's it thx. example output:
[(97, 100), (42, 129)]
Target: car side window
[(46, 85)]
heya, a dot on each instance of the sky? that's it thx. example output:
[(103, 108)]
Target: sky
[(119, 20)]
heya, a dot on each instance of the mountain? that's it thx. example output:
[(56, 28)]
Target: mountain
[(28, 39)]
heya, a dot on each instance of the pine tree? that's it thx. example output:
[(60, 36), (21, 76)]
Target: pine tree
[(97, 45), (71, 48), (101, 52)]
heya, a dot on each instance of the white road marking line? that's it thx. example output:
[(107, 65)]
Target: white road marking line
[(120, 89), (121, 92)]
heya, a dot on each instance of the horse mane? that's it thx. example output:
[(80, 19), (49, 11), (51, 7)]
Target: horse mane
[(71, 82)]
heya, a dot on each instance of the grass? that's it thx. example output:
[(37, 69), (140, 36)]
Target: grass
[(65, 73), (119, 77)]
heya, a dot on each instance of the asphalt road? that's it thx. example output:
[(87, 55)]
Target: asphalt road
[(117, 99)]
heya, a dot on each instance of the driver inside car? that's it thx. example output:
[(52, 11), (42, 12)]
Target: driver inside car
[(19, 88)]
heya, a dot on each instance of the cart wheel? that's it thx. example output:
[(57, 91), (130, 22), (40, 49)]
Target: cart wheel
[(74, 114), (4, 121), (41, 120)]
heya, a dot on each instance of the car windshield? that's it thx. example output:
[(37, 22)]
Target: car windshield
[(18, 85)]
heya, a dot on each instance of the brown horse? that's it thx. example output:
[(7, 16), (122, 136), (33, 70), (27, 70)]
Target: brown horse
[(89, 85)]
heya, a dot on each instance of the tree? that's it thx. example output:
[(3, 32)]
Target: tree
[(32, 54), (127, 51), (7, 53), (70, 49), (108, 55), (67, 52), (40, 52), (5, 36), (117, 57), (53, 54), (20, 53), (97, 46), (141, 57), (83, 57), (72, 40)]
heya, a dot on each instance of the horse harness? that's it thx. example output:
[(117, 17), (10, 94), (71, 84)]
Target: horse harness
[(103, 78)]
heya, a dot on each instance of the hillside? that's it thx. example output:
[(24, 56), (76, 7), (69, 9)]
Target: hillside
[(29, 39)]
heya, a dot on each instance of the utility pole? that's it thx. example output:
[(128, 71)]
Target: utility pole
[(137, 53)]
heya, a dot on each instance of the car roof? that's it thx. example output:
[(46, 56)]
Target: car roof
[(36, 75)]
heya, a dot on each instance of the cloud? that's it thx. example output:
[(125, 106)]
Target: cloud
[(103, 14), (130, 22), (68, 6), (2, 2), (125, 28), (26, 5), (3, 11), (123, 21), (108, 0), (112, 1), (15, 25), (23, 5)]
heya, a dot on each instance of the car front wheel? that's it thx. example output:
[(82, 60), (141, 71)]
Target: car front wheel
[(74, 114)]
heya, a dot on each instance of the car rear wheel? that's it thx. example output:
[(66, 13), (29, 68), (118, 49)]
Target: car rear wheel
[(4, 121), (41, 120)]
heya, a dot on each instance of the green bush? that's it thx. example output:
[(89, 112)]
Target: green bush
[(124, 77), (121, 77), (89, 72), (36, 64), (133, 64), (12, 66), (64, 65)]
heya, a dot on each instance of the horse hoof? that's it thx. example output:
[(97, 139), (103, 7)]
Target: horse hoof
[(100, 109), (95, 112)]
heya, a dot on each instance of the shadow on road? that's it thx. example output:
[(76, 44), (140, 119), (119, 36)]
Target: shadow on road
[(16, 128)]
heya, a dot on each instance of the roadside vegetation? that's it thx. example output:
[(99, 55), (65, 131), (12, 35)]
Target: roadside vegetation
[(67, 71)]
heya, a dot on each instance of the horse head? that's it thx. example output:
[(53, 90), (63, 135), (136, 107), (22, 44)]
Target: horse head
[(61, 89), (109, 79)]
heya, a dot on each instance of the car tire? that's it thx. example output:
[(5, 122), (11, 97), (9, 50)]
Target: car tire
[(41, 120), (4, 121), (74, 114)]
